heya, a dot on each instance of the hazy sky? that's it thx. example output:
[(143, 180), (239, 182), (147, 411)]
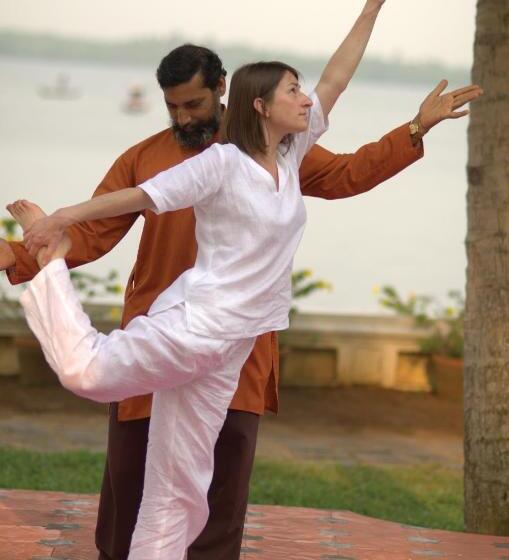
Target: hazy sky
[(442, 30)]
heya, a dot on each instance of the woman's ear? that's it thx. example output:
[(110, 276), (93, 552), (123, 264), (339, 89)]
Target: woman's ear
[(259, 105)]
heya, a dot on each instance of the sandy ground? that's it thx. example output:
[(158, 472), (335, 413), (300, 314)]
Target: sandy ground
[(351, 425)]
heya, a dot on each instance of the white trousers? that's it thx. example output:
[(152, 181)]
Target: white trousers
[(193, 379)]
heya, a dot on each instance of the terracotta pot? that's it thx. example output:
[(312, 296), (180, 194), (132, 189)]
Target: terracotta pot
[(446, 376)]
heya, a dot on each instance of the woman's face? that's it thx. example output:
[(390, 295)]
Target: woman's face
[(288, 111)]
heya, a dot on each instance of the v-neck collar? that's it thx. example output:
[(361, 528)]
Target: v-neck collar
[(282, 172)]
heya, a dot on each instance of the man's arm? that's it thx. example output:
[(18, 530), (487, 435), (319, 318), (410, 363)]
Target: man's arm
[(7, 258), (90, 240), (178, 187), (324, 174), (327, 175)]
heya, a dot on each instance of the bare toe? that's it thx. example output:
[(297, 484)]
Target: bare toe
[(25, 212), (12, 209)]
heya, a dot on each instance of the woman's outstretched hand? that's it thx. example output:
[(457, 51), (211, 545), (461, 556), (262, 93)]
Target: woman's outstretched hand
[(45, 232), (439, 106)]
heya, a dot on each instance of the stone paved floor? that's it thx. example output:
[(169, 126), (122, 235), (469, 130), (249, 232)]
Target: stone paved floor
[(58, 526)]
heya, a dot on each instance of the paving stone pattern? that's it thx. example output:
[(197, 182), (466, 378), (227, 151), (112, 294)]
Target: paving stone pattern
[(58, 526)]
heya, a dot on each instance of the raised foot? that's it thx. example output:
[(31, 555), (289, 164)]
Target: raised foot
[(26, 213)]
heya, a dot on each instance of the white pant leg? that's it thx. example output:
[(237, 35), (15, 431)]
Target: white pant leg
[(152, 354), (184, 427), (147, 356)]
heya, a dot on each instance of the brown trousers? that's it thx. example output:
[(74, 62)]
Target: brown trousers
[(122, 488)]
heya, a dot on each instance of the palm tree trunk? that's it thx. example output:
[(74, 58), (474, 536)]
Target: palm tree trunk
[(487, 306)]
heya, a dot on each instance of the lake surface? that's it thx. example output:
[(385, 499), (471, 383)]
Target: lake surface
[(409, 232)]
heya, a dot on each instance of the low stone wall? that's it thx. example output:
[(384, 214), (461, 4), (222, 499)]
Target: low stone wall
[(20, 353), (318, 350), (332, 350)]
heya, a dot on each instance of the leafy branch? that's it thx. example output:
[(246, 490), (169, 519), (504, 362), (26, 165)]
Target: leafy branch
[(446, 322)]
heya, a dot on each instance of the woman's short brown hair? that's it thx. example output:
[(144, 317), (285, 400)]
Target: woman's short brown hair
[(242, 123)]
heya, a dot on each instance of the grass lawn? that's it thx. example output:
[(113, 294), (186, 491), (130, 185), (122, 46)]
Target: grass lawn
[(428, 496), (423, 495)]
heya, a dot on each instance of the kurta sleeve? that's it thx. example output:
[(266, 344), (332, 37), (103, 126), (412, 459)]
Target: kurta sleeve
[(90, 240), (189, 183), (327, 175)]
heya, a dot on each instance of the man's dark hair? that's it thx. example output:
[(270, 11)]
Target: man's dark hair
[(182, 63)]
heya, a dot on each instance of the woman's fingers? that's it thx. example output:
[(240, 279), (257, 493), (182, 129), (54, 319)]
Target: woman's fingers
[(52, 246), (32, 242)]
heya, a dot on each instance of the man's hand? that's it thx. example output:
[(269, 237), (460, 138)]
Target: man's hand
[(7, 258), (439, 106), (45, 232)]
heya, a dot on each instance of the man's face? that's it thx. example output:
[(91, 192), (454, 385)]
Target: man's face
[(195, 111)]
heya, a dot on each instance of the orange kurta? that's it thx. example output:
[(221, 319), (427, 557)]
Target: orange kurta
[(168, 246)]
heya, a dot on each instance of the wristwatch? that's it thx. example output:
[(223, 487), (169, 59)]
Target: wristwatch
[(416, 130)]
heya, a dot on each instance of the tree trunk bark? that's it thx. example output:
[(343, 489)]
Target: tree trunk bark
[(486, 382)]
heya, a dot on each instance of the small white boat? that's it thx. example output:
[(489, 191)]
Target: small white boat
[(60, 90), (136, 102)]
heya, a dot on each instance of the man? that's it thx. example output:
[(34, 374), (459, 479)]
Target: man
[(193, 81)]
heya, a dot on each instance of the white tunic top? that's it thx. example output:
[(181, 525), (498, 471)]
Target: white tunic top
[(247, 230)]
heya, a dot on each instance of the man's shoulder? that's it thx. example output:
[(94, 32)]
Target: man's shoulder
[(147, 158)]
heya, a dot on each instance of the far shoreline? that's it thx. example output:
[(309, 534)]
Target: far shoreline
[(146, 52)]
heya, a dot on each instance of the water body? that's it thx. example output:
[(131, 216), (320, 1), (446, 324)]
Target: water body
[(409, 232)]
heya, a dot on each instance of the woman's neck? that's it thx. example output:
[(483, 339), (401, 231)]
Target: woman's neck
[(270, 155), (268, 160), (267, 157)]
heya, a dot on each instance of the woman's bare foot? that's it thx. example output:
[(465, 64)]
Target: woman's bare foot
[(26, 213)]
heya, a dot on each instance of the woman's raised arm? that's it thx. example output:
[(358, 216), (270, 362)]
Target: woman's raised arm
[(48, 231), (343, 63), (178, 187)]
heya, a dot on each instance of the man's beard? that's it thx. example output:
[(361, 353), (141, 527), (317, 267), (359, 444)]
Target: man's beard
[(198, 135)]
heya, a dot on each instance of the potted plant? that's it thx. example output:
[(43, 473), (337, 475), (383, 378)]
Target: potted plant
[(444, 340)]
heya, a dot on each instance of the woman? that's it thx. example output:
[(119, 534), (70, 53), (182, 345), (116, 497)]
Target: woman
[(250, 217)]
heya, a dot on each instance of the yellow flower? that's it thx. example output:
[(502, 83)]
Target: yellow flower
[(115, 313)]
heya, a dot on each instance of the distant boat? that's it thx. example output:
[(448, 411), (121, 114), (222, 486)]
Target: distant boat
[(60, 90), (136, 102)]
